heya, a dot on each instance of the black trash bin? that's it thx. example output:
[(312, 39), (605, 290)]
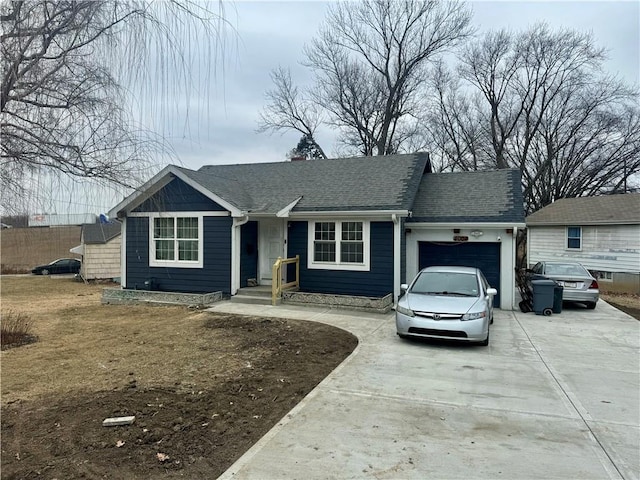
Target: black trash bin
[(543, 296), (557, 298)]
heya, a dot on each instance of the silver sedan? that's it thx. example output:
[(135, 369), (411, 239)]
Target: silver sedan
[(454, 303), (578, 284)]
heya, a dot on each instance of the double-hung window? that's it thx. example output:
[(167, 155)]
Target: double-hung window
[(324, 244), (574, 238), (342, 245), (176, 241), (352, 243)]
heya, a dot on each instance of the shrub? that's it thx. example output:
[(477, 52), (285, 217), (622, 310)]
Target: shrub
[(12, 270), (15, 330)]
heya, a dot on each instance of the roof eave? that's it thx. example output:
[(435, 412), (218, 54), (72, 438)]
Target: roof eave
[(286, 211), (349, 213), (466, 224), (578, 222)]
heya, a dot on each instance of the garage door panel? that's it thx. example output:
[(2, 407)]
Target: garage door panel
[(485, 256)]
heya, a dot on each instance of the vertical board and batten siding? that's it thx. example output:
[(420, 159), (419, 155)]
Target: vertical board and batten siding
[(608, 248), (248, 252), (215, 275), (375, 283), (177, 196), (102, 260)]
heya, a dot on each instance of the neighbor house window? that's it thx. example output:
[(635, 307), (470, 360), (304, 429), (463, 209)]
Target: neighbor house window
[(574, 238), (175, 242), (340, 245), (604, 276)]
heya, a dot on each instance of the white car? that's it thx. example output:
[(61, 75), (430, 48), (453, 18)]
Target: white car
[(454, 303)]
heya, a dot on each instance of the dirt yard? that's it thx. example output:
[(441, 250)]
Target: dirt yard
[(203, 387)]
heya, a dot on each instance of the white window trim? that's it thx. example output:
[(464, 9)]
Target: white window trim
[(176, 263), (566, 238), (337, 265)]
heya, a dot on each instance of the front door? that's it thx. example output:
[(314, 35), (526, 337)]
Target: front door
[(271, 233)]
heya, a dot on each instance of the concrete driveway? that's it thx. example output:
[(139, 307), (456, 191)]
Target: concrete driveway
[(551, 397)]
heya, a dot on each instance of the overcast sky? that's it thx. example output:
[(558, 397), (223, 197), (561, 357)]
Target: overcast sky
[(222, 124), (273, 33)]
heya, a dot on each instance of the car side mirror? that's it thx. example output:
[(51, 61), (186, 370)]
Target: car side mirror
[(492, 291), (404, 287)]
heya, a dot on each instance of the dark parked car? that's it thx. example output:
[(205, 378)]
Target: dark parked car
[(62, 265)]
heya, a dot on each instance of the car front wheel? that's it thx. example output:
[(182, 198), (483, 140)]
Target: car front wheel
[(45, 272), (485, 342)]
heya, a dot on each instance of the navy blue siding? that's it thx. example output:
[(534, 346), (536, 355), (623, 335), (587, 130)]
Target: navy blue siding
[(375, 283), (482, 255), (177, 196), (213, 277), (249, 252)]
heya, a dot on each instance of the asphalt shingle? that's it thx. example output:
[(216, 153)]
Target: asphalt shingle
[(100, 232), (491, 196), (358, 183), (604, 209)]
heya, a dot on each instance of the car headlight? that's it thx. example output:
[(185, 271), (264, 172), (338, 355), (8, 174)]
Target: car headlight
[(473, 316), (405, 311)]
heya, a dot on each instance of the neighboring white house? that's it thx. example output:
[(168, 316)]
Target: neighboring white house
[(100, 250), (602, 233)]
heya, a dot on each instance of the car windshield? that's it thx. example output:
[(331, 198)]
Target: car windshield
[(565, 269), (446, 283)]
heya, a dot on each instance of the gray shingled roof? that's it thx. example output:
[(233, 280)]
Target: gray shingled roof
[(605, 209), (492, 196), (93, 233), (359, 183)]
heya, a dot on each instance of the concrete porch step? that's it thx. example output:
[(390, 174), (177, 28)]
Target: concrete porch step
[(260, 295), (250, 299), (260, 291)]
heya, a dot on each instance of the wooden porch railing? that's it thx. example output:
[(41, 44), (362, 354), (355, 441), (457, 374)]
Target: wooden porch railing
[(276, 277)]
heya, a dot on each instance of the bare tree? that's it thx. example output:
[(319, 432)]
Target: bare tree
[(68, 69), (290, 109), (370, 61), (541, 103), (452, 130)]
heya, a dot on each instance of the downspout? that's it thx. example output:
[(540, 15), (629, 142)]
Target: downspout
[(396, 258), (235, 251), (513, 271), (123, 254)]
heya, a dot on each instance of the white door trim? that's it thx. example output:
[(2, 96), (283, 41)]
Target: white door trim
[(270, 247)]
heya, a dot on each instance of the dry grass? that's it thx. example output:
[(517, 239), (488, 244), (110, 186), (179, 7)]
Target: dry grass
[(15, 330), (626, 299), (627, 302), (86, 346)]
